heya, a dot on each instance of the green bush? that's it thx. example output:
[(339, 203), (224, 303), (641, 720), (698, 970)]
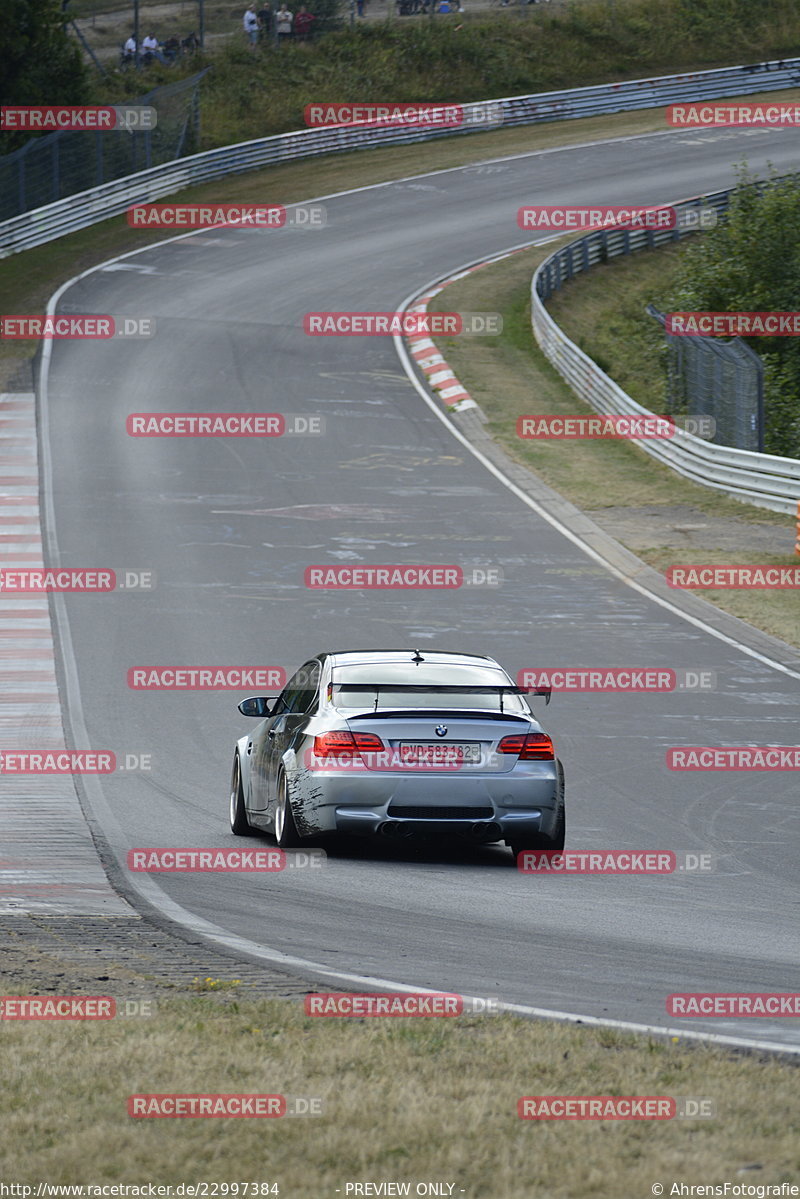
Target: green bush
[(751, 263)]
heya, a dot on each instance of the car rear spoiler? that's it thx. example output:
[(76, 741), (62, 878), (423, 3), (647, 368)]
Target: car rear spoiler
[(443, 689)]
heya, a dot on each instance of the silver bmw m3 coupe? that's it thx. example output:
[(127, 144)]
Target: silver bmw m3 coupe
[(400, 743)]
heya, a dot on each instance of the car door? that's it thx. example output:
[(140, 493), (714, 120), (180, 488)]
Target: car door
[(300, 700), (262, 748)]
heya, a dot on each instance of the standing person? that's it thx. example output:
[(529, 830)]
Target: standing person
[(302, 24), (360, 7), (264, 15), (129, 50), (284, 20), (250, 23)]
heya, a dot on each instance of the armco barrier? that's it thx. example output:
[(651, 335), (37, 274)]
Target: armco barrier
[(766, 480), (87, 208)]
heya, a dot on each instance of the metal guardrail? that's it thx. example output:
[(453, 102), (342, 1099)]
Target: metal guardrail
[(767, 480), (86, 208)]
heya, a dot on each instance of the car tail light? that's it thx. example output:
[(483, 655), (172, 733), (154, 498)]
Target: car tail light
[(531, 747), (342, 741)]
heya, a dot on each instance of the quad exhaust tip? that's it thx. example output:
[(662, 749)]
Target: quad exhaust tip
[(393, 828), (486, 831)]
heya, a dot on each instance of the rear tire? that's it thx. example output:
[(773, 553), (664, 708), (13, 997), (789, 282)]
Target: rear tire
[(240, 825), (540, 842), (285, 828)]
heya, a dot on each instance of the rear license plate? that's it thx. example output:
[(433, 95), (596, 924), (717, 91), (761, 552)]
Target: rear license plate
[(437, 753)]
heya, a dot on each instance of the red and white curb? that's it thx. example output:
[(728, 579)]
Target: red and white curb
[(48, 862), (430, 360)]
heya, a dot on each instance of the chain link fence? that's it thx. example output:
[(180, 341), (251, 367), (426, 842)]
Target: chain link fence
[(708, 376), (60, 164)]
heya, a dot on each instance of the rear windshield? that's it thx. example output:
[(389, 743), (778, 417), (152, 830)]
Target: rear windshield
[(384, 691)]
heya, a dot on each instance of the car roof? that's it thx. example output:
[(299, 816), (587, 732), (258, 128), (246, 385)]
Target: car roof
[(357, 657)]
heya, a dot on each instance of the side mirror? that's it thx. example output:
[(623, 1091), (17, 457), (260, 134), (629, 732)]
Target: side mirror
[(545, 691), (259, 705)]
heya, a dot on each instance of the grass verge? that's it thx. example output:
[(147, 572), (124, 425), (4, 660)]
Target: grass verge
[(402, 1100), (660, 516)]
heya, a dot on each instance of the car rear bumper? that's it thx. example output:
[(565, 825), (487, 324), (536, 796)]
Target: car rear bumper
[(482, 831), (482, 808)]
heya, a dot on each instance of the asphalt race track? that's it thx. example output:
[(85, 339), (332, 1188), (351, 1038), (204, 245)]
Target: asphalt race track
[(229, 526)]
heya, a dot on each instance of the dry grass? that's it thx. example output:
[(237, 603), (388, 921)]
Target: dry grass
[(413, 1100)]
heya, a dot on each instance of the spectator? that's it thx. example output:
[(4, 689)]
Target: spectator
[(151, 49), (264, 15), (129, 50), (250, 23), (284, 20), (172, 48), (302, 24), (360, 7)]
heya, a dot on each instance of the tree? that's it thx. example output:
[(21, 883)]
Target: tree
[(40, 64)]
